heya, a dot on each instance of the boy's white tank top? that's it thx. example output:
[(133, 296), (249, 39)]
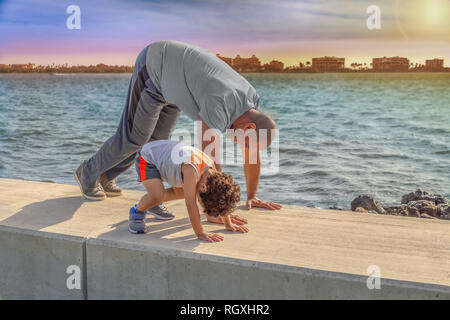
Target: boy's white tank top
[(168, 156)]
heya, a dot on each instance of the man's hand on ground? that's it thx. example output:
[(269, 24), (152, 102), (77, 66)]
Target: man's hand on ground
[(258, 203), (234, 219), (210, 237)]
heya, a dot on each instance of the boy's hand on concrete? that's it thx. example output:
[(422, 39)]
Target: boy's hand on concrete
[(210, 237), (234, 219), (238, 220), (236, 228), (258, 203)]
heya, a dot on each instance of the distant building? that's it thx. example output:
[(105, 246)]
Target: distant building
[(393, 64), (251, 64), (276, 65), (19, 66), (23, 66), (229, 61), (240, 64), (328, 64), (273, 66), (434, 64)]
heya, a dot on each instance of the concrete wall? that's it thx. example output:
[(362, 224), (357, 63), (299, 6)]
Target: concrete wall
[(294, 253), (117, 272), (33, 264)]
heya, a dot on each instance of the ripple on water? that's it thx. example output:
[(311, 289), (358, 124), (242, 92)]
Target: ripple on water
[(338, 136), (442, 152)]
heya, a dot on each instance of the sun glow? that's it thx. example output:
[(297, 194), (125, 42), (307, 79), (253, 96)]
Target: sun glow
[(435, 12), (428, 18)]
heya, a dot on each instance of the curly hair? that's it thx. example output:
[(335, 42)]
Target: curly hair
[(222, 195)]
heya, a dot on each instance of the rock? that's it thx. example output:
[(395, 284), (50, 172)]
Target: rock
[(413, 212), (419, 194), (368, 203), (444, 210), (430, 210), (415, 204), (426, 216), (425, 206), (392, 210), (402, 210)]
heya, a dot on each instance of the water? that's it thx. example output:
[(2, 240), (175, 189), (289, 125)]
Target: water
[(341, 135)]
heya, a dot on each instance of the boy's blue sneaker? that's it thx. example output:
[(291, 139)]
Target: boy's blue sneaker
[(137, 221)]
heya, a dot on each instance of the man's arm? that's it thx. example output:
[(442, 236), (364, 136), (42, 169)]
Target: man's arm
[(204, 143), (190, 195), (252, 173)]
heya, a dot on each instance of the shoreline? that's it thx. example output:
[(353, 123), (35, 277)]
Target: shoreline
[(286, 72)]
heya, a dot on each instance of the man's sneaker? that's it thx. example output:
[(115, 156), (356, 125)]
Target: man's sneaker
[(161, 212), (110, 187), (137, 221), (91, 193)]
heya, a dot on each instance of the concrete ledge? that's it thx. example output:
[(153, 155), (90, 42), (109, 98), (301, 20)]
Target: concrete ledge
[(172, 274), (296, 253), (33, 264)]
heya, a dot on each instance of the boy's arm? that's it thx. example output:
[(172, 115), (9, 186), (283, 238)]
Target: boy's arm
[(190, 195)]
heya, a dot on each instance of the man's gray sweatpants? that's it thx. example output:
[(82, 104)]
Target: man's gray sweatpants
[(146, 117)]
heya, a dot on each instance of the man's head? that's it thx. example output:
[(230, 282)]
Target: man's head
[(261, 124), (218, 193)]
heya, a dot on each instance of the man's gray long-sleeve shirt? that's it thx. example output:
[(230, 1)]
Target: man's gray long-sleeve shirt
[(199, 83)]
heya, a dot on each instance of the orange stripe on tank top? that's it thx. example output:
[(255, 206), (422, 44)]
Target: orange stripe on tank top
[(142, 164)]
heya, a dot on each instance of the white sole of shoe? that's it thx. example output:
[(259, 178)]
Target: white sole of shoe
[(112, 194), (132, 231), (85, 195), (159, 217), (135, 232)]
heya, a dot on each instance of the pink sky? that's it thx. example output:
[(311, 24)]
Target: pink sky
[(113, 32)]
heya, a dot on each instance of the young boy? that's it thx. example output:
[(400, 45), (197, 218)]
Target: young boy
[(192, 175)]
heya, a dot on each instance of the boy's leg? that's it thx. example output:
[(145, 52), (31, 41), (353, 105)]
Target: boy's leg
[(173, 194), (154, 196), (166, 122)]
